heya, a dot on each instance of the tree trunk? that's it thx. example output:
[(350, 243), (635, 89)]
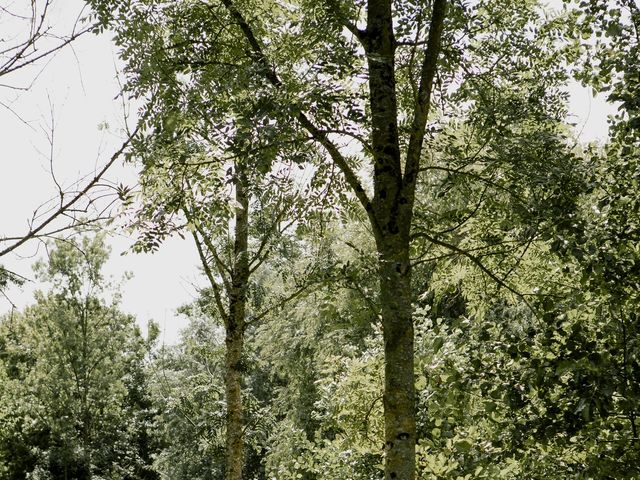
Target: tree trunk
[(235, 330), (85, 415), (399, 387), (235, 420), (391, 219)]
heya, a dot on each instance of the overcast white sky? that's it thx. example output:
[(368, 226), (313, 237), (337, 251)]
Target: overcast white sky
[(79, 86)]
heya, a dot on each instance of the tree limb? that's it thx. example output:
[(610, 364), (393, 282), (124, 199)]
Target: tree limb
[(214, 285), (321, 137), (339, 15), (423, 102), (474, 259), (35, 232)]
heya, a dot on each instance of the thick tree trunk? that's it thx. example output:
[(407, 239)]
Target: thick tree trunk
[(399, 387), (235, 331), (391, 219), (391, 215)]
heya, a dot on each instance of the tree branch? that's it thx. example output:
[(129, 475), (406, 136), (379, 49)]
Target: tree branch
[(476, 260), (423, 102), (296, 293), (223, 269), (214, 285), (320, 136), (65, 207), (14, 65), (339, 15)]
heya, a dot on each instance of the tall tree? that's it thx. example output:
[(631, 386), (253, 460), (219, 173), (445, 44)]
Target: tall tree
[(75, 365), (239, 195), (360, 77)]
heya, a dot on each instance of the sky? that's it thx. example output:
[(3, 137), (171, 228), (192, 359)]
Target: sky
[(78, 90)]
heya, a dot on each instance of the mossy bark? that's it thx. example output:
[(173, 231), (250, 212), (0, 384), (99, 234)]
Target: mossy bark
[(235, 327), (399, 390)]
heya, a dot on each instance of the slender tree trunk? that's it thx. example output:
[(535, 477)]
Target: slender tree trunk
[(391, 215), (235, 418), (85, 415), (235, 331)]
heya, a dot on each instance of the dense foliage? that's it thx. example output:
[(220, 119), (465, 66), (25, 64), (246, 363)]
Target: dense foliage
[(476, 249), (74, 399)]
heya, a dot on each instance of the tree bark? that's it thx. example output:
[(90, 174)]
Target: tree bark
[(393, 216), (235, 417), (399, 388), (85, 434), (235, 327)]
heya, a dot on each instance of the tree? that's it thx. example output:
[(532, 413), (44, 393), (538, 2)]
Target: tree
[(188, 391), (236, 196), (74, 366), (600, 243), (362, 76), (319, 428), (231, 172)]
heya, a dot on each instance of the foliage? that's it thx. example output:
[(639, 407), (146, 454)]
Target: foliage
[(524, 245), (74, 400)]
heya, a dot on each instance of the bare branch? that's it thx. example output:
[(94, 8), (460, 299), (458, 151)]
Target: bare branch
[(15, 64), (214, 285), (38, 230)]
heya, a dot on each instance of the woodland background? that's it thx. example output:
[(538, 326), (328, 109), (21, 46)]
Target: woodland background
[(412, 266)]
